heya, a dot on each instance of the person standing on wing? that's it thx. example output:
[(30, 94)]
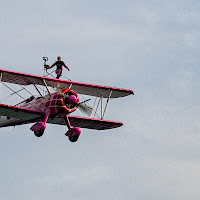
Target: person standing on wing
[(59, 65)]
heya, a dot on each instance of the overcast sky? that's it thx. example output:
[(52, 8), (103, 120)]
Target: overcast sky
[(151, 47)]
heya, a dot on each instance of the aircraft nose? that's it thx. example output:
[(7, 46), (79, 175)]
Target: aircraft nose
[(72, 99)]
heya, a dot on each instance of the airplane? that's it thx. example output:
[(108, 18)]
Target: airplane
[(56, 107)]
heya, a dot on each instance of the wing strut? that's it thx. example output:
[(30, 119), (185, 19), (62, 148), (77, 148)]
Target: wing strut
[(107, 103), (38, 90), (1, 77), (46, 87), (102, 106)]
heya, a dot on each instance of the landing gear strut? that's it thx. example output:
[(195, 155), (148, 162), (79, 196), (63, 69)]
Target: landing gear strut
[(72, 133)]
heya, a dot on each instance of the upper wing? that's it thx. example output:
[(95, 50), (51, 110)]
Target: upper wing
[(17, 116), (81, 88), (83, 122)]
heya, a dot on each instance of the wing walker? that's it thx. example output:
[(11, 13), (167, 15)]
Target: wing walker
[(56, 107)]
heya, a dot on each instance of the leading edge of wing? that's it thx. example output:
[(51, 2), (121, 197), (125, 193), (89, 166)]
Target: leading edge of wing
[(85, 122), (81, 88)]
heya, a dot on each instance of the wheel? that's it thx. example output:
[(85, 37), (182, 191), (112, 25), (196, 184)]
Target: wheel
[(39, 133), (73, 138)]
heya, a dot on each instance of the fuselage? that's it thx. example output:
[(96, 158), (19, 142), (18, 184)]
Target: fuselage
[(65, 101)]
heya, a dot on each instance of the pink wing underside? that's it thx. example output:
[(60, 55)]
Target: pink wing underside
[(81, 88), (18, 116)]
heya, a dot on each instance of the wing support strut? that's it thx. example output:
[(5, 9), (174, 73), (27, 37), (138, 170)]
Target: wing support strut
[(102, 106), (103, 110), (1, 76), (107, 103), (38, 90), (46, 86), (97, 107)]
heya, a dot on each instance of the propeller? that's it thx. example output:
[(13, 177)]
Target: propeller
[(84, 108)]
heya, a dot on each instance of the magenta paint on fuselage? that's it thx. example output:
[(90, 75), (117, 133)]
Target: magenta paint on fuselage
[(52, 103)]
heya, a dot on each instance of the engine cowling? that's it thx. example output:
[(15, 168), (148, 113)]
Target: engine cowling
[(70, 99), (65, 100)]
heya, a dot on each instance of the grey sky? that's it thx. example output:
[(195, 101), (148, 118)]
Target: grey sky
[(151, 47)]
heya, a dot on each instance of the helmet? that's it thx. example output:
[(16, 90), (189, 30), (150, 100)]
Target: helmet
[(59, 58)]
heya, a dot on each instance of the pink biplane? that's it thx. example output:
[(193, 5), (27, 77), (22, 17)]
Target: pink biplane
[(56, 107)]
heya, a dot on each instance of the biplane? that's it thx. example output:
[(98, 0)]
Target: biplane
[(56, 107)]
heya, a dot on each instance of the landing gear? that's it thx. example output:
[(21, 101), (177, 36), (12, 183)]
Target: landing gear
[(72, 133), (73, 138), (39, 133), (39, 127)]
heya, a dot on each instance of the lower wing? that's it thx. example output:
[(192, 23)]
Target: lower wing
[(12, 115), (83, 122)]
